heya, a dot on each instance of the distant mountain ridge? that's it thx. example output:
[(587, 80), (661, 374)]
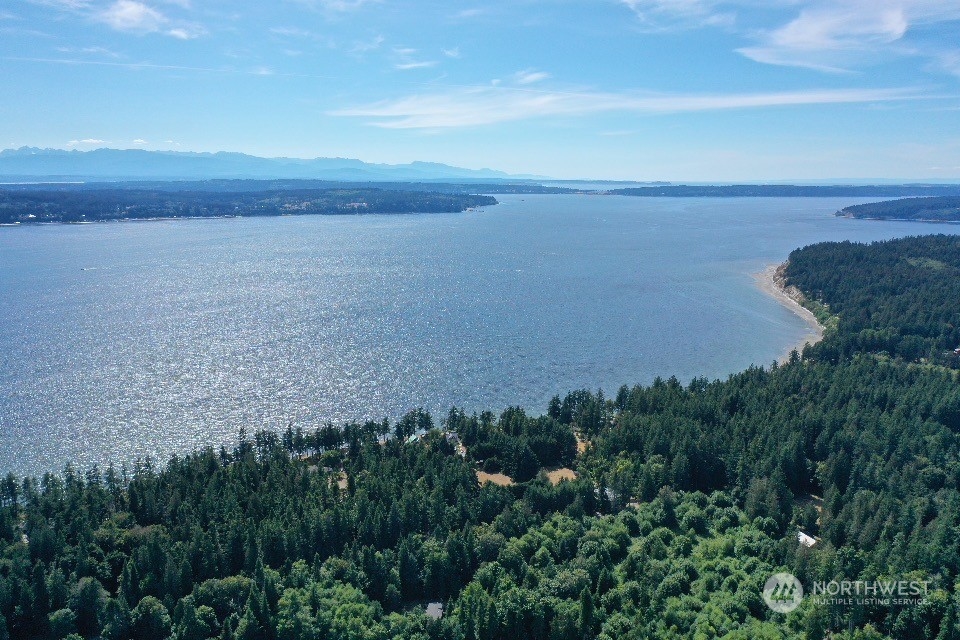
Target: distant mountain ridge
[(28, 163)]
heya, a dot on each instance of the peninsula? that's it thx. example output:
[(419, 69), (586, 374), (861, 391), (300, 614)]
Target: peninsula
[(933, 209), (95, 204)]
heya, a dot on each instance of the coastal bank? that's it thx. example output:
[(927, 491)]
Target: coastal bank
[(772, 281)]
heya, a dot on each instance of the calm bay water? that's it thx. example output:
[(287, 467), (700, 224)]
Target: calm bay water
[(120, 340)]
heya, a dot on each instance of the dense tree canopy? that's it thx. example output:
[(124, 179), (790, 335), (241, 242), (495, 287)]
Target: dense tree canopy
[(900, 297)]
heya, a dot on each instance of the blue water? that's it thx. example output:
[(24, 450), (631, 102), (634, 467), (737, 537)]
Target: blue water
[(120, 340)]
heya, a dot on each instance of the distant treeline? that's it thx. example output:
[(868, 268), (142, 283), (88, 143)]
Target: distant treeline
[(241, 185), (84, 205), (938, 209), (791, 191)]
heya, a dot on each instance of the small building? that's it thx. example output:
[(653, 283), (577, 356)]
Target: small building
[(435, 610), (805, 540), (454, 439)]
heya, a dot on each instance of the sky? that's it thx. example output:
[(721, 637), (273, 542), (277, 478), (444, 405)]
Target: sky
[(680, 90)]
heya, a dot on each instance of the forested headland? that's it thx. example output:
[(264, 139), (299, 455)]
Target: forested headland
[(88, 205), (676, 502), (934, 209)]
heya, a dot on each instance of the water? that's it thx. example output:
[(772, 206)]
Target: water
[(120, 340)]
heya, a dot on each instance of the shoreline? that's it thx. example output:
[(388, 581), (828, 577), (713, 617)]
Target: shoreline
[(927, 220), (769, 282), (231, 216)]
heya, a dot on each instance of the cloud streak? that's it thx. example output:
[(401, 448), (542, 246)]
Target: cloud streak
[(478, 106), (835, 35), (423, 64), (130, 16), (336, 6), (668, 15), (138, 66), (530, 76), (406, 61)]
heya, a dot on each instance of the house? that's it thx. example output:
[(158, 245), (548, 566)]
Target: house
[(805, 540), (454, 439)]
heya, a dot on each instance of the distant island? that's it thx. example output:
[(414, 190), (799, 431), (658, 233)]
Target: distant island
[(789, 191), (88, 205), (937, 209)]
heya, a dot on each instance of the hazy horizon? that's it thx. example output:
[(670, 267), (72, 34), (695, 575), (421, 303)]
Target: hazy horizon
[(493, 170)]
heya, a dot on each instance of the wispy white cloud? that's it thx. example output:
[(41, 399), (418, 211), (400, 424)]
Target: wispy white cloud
[(529, 76), (469, 13), (32, 33), (470, 107), (140, 141), (337, 6), (452, 53), (825, 38), (665, 15), (140, 66), (363, 46), (949, 61), (186, 32), (295, 32), (70, 5), (86, 142), (90, 51), (405, 60), (423, 64), (129, 15), (837, 35)]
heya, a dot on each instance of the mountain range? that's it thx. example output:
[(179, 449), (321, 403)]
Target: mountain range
[(31, 164)]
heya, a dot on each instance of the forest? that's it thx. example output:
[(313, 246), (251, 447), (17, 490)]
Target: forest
[(934, 209), (900, 298), (679, 501), (88, 205), (251, 185)]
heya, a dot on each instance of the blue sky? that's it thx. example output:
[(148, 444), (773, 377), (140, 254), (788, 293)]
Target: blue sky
[(624, 89)]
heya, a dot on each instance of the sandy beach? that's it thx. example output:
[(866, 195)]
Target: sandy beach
[(769, 282)]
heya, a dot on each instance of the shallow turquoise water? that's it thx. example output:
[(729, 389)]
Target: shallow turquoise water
[(120, 340)]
